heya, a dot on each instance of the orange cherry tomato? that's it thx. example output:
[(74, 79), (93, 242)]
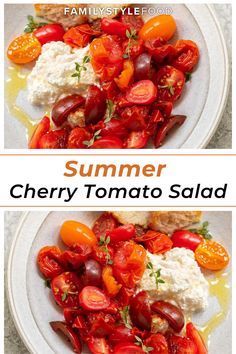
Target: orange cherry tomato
[(73, 232), (24, 49), (125, 78), (162, 26), (111, 285), (211, 255)]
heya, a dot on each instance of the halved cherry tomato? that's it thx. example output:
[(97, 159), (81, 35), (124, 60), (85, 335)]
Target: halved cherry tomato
[(115, 127), (125, 78), (164, 53), (111, 26), (107, 142), (24, 49), (110, 89), (122, 233), (134, 22), (135, 118), (186, 239), (211, 255), (105, 222), (170, 83), (121, 334), (74, 259), (127, 348), (111, 285), (95, 105), (100, 324), (54, 139), (76, 138), (79, 36), (98, 345), (182, 345), (137, 140), (93, 299), (158, 342), (129, 263), (52, 32), (142, 92), (166, 126), (72, 232), (132, 48), (140, 310), (162, 26), (171, 313), (41, 129), (70, 314), (62, 108), (49, 261), (102, 255), (160, 244), (106, 57), (65, 289), (194, 335), (69, 333), (124, 296), (187, 55), (165, 108)]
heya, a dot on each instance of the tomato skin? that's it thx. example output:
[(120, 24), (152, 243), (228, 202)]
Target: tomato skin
[(187, 55), (127, 348), (65, 289), (142, 92), (95, 105), (74, 258), (170, 83), (76, 138), (140, 310), (162, 26), (160, 244), (171, 313), (54, 139), (165, 127), (105, 222), (73, 232), (62, 108), (186, 239), (111, 26), (49, 261), (93, 299), (194, 335), (134, 22), (122, 233), (101, 256), (115, 128), (107, 142), (165, 107), (137, 140), (70, 314), (24, 49), (134, 118), (100, 324), (48, 33), (158, 343), (211, 255), (98, 345), (69, 333), (79, 36), (41, 129), (182, 345)]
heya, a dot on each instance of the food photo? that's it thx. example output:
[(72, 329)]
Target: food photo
[(122, 282), (103, 76)]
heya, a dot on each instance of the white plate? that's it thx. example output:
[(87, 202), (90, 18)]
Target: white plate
[(31, 303), (203, 100)]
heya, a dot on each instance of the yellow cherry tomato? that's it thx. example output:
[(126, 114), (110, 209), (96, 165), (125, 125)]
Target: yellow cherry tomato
[(211, 255), (24, 49), (73, 232), (162, 26)]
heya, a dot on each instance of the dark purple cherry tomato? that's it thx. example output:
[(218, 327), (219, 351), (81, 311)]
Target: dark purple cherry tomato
[(143, 67), (64, 106), (69, 333), (140, 310), (121, 334), (166, 126), (171, 313), (95, 105), (92, 273)]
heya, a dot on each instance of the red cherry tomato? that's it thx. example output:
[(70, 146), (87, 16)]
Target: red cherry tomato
[(127, 348), (55, 139), (64, 107), (137, 140), (140, 311), (166, 126), (106, 222), (111, 26), (116, 128), (74, 259), (49, 261), (98, 345), (41, 129), (121, 334), (77, 137), (93, 299), (158, 342), (182, 345), (186, 239), (171, 313), (100, 324), (69, 333), (101, 255), (133, 48), (70, 314), (165, 107), (170, 83), (107, 142), (122, 233), (80, 36), (65, 289), (135, 117), (161, 243), (50, 33), (134, 22), (194, 335), (95, 105), (142, 92), (187, 55)]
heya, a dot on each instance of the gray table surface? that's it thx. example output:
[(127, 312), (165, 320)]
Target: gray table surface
[(221, 139)]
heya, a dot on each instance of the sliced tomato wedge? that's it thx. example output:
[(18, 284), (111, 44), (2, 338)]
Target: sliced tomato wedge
[(194, 335), (64, 328), (107, 142), (41, 129), (137, 140), (166, 127), (98, 345), (55, 139)]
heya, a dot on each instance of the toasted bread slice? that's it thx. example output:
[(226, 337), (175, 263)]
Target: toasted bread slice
[(55, 13), (169, 221), (132, 217)]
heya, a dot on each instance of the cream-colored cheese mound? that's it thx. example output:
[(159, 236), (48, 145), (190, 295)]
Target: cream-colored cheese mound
[(51, 77), (185, 285)]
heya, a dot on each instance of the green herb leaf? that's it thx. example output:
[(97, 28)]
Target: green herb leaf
[(125, 316), (188, 76), (203, 231), (64, 295), (140, 343), (81, 67), (32, 24), (110, 111), (132, 37), (91, 141), (156, 274)]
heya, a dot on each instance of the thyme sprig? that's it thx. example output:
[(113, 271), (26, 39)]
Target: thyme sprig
[(140, 343), (79, 68), (203, 231), (104, 242), (125, 317), (110, 111), (95, 137), (156, 274), (132, 39), (32, 24)]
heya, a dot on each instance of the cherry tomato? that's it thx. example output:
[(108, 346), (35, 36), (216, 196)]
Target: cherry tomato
[(143, 67), (142, 92), (72, 232), (49, 261), (79, 36), (171, 313), (154, 118), (101, 255), (137, 140), (124, 296), (95, 105), (187, 55), (69, 333), (24, 49), (110, 89), (111, 26), (107, 142), (134, 118), (105, 222), (162, 26), (65, 289), (50, 33), (186, 239), (158, 343), (182, 345), (55, 139), (62, 108), (129, 263), (125, 78), (100, 324), (92, 273), (170, 83), (142, 235), (116, 128), (121, 334), (127, 348), (140, 311), (106, 57), (166, 126), (132, 48), (41, 129), (98, 345), (134, 22), (110, 284), (160, 244), (76, 138), (165, 107), (194, 335), (75, 257), (122, 233), (93, 299), (70, 314), (211, 255)]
